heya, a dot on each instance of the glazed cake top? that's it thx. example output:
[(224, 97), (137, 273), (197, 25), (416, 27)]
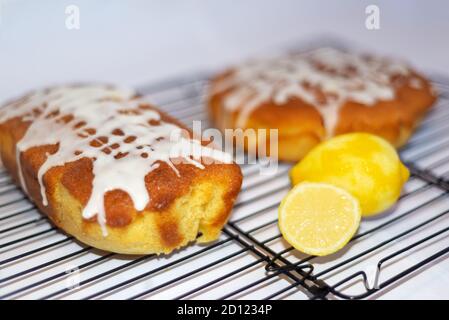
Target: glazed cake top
[(124, 136), (324, 78)]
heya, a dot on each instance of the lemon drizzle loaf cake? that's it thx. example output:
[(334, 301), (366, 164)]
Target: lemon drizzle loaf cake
[(314, 95), (115, 172)]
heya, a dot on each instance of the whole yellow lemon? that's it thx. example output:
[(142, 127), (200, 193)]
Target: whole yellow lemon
[(363, 164)]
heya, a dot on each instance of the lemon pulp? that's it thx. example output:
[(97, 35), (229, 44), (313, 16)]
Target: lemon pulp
[(318, 219)]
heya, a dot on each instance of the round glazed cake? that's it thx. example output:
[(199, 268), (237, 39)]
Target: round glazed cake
[(311, 96)]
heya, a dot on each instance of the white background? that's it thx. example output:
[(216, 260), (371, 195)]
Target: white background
[(132, 42)]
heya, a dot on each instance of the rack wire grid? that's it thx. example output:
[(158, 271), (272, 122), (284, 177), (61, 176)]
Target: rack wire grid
[(250, 260)]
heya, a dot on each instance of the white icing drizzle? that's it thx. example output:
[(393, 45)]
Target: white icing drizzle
[(324, 78), (83, 121)]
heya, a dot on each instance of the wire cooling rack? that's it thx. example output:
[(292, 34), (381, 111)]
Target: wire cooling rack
[(401, 252)]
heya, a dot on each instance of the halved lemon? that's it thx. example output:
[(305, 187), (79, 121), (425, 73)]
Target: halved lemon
[(318, 218)]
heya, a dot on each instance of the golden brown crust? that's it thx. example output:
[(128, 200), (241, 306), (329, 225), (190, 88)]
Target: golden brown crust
[(196, 201), (301, 125)]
